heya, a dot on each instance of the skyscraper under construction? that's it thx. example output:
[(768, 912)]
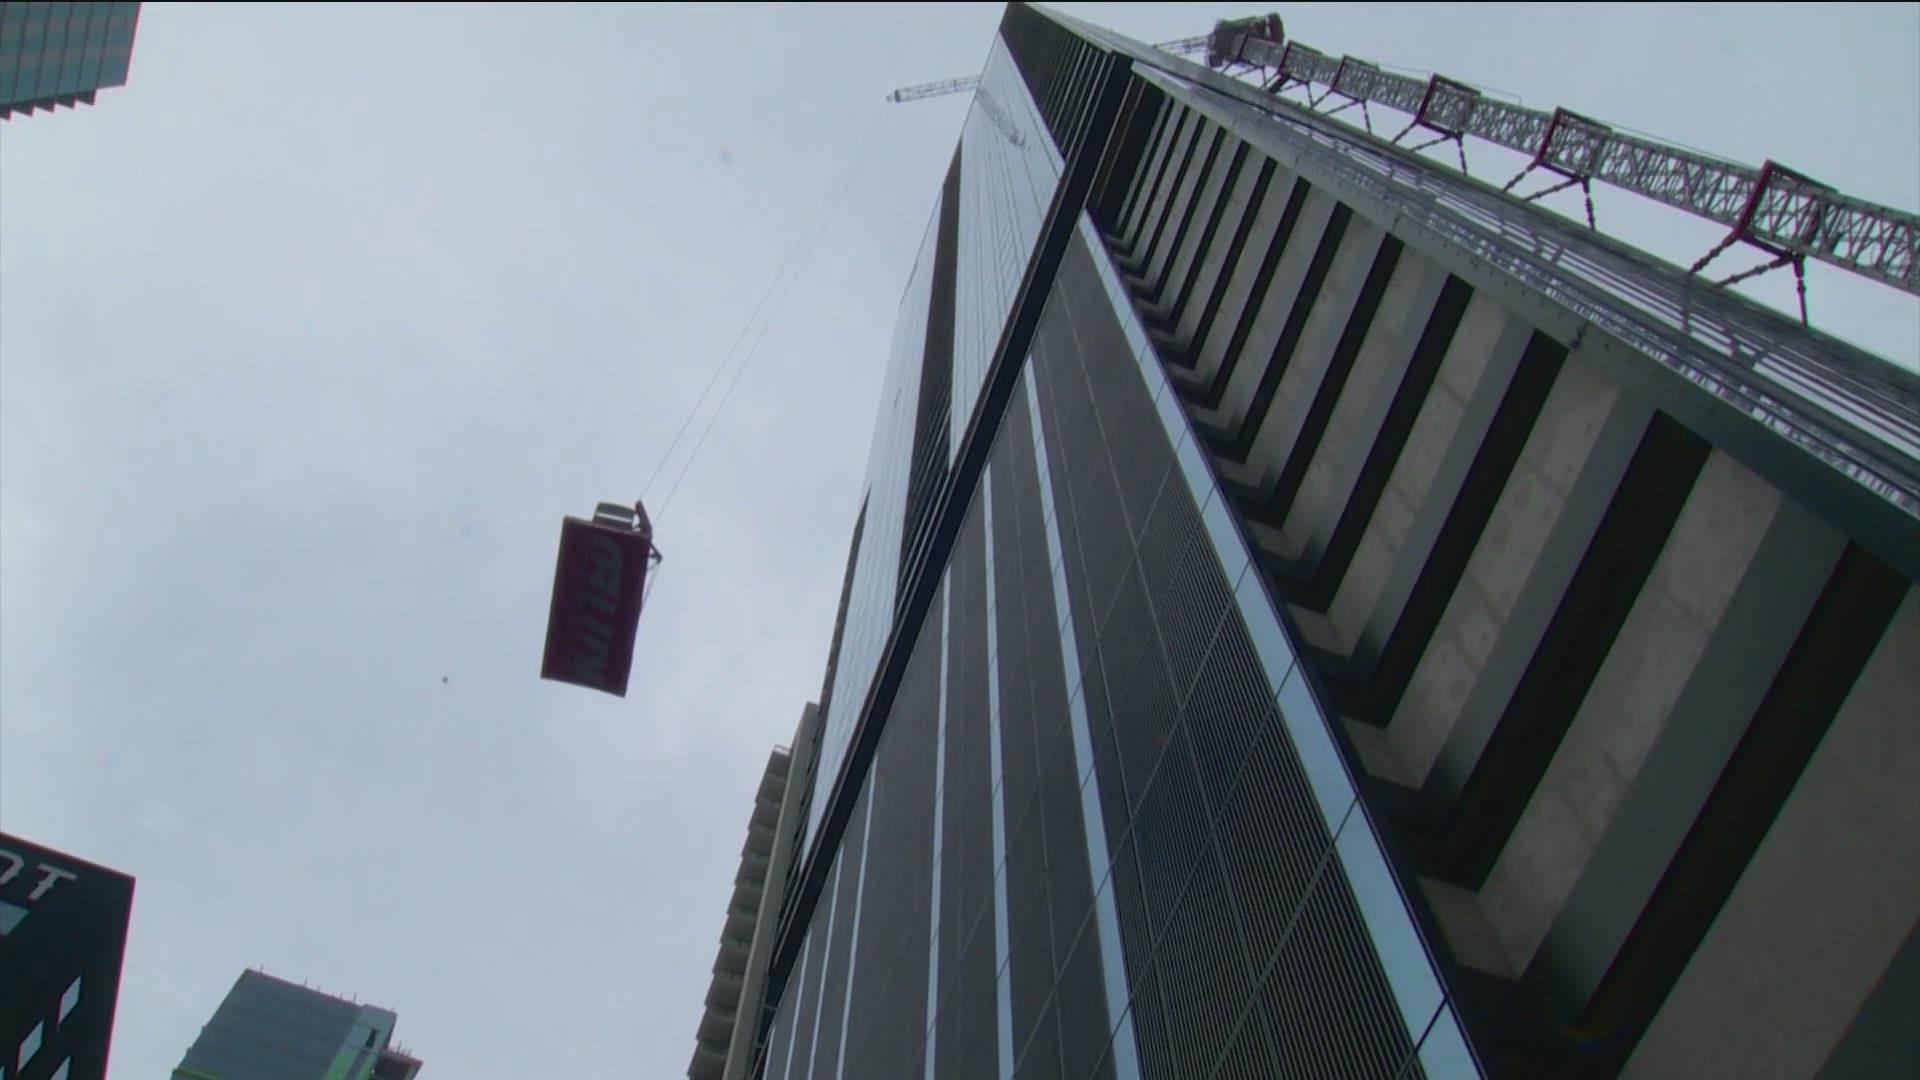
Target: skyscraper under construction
[(1317, 614)]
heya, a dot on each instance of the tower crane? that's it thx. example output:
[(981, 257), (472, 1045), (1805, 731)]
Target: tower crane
[(1789, 216)]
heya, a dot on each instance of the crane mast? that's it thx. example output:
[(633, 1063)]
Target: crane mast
[(1784, 213)]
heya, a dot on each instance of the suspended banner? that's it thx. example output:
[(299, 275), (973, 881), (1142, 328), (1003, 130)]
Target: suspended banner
[(599, 584)]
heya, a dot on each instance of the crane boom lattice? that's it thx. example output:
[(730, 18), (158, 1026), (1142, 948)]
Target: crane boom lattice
[(934, 89), (1772, 207), (1782, 212)]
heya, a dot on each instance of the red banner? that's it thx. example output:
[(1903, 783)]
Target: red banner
[(597, 587)]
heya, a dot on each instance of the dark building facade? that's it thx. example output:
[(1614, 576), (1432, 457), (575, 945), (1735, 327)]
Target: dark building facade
[(1315, 615), (63, 934), (272, 1029), (61, 54)]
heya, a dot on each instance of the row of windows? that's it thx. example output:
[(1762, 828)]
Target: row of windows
[(1096, 883), (26, 1054), (37, 20), (1039, 929), (1039, 924), (993, 924), (1011, 169), (1356, 859), (876, 568), (1755, 359), (1008, 172), (932, 452), (267, 1026), (58, 74), (1482, 746), (49, 51)]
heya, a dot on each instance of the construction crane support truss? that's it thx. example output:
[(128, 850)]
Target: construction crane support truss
[(934, 89), (1782, 212)]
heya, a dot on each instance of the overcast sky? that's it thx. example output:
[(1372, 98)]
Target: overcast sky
[(311, 333)]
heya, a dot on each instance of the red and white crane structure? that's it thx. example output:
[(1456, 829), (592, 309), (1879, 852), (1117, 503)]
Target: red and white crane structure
[(1784, 213)]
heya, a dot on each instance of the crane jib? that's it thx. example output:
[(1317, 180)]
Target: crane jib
[(1773, 208)]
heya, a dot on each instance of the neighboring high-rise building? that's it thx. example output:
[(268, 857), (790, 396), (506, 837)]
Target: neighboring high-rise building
[(1314, 614), (62, 53), (271, 1029), (63, 932), (739, 971)]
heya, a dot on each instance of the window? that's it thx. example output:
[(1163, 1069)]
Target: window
[(69, 998), (29, 1046)]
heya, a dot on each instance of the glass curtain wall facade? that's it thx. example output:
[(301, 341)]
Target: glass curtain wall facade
[(271, 1029), (61, 53), (1005, 172), (1315, 616), (63, 935), (1027, 883)]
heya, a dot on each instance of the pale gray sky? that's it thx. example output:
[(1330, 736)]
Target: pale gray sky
[(311, 333)]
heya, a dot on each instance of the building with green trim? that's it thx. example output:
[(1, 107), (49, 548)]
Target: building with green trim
[(272, 1029)]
